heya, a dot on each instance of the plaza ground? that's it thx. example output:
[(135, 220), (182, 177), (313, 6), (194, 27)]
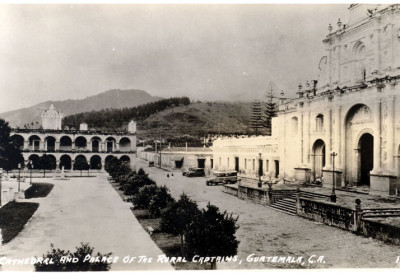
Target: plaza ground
[(266, 232), (83, 210)]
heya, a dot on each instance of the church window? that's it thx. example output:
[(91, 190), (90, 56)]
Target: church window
[(319, 123)]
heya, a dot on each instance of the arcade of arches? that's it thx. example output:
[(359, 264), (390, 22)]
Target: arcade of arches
[(64, 148)]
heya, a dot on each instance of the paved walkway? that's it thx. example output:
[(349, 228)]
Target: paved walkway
[(83, 210)]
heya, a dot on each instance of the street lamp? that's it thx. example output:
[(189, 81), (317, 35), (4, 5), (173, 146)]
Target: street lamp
[(1, 174), (19, 176), (259, 171), (31, 167), (333, 195)]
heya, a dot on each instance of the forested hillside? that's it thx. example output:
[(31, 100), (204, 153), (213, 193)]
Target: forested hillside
[(117, 119)]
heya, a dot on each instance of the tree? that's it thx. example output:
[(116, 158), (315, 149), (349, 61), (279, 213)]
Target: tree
[(270, 109), (80, 265), (177, 216), (256, 117), (10, 155), (81, 164), (212, 234), (46, 162), (160, 201), (144, 196)]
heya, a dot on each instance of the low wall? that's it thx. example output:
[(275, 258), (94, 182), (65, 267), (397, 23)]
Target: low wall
[(260, 196), (385, 232), (230, 189), (327, 212)]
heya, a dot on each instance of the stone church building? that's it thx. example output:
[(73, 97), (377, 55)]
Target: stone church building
[(345, 123)]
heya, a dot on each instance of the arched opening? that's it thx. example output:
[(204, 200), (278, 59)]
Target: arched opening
[(319, 123), (125, 159), (47, 162), (110, 144), (95, 144), (366, 158), (18, 141), (95, 162), (80, 143), (295, 125), (34, 143), (358, 122), (50, 144), (66, 162), (65, 143), (108, 158), (359, 53), (35, 162), (318, 158), (125, 144)]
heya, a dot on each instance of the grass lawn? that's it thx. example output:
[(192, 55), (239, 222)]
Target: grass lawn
[(38, 190), (13, 217)]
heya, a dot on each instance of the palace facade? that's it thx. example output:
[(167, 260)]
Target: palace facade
[(66, 145), (347, 122)]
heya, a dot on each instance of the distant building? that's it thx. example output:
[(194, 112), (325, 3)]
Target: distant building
[(181, 157), (65, 146), (51, 118), (346, 122)]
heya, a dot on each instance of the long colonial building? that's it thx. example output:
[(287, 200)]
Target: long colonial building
[(66, 145), (347, 122)]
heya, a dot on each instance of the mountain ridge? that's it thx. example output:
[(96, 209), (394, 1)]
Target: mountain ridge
[(113, 98)]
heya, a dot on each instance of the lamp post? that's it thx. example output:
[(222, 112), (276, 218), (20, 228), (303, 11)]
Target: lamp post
[(259, 172), (313, 166), (19, 176), (1, 174), (31, 167), (333, 195)]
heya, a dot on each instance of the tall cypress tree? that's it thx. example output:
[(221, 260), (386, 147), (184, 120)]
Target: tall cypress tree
[(270, 108), (256, 122)]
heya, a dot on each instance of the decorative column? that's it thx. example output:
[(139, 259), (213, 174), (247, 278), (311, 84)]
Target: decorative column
[(26, 145), (390, 122), (328, 132), (377, 137), (302, 137), (57, 145), (336, 136), (376, 49)]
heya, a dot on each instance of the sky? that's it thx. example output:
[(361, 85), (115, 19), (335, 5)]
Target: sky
[(206, 52)]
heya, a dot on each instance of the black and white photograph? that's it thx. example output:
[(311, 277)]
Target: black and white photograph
[(199, 136)]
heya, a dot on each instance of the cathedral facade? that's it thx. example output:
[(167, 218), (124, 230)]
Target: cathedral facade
[(343, 127)]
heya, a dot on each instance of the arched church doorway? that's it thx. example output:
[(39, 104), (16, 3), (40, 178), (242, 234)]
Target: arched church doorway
[(366, 158), (358, 153), (318, 158)]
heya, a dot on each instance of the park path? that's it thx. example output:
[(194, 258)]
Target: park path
[(266, 232), (83, 210)]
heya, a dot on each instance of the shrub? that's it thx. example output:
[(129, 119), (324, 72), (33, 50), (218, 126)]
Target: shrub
[(177, 216), (160, 201), (134, 183), (144, 196), (80, 265), (212, 234)]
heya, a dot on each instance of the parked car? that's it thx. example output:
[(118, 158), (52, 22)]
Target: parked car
[(222, 177), (151, 163), (194, 172)]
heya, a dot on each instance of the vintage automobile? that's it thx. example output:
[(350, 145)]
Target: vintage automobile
[(222, 177), (194, 172), (151, 163)]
